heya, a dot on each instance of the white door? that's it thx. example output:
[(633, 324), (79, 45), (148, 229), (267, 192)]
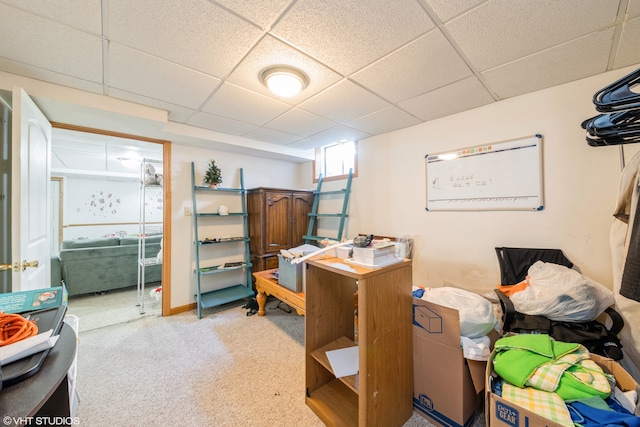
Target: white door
[(30, 201)]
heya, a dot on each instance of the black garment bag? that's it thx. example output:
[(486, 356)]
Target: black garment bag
[(595, 336)]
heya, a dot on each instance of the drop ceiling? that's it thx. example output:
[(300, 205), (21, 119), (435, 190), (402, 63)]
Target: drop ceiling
[(374, 66), (95, 156)]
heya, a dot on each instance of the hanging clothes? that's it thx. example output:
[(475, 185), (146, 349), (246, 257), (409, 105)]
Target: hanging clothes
[(620, 236), (630, 282)]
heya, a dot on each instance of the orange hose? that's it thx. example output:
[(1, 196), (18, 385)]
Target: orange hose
[(14, 328)]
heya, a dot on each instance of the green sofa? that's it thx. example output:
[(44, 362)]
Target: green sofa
[(97, 265)]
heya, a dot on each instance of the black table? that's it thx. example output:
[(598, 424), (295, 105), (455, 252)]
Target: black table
[(45, 395)]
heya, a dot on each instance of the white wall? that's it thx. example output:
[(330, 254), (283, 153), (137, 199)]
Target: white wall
[(580, 189)]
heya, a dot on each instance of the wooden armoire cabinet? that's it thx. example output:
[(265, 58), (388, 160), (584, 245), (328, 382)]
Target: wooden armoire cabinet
[(278, 218)]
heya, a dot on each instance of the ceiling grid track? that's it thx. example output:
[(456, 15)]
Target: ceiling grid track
[(621, 20), (105, 46), (436, 20)]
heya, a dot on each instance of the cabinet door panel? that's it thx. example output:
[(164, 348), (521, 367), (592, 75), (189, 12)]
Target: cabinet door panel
[(278, 220), (302, 206)]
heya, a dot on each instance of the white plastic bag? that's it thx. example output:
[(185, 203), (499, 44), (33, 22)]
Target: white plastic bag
[(562, 294), (476, 313)]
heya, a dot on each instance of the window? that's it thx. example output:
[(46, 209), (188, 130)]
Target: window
[(335, 160)]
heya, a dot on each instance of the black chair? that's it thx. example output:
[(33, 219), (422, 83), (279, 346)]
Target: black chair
[(595, 336)]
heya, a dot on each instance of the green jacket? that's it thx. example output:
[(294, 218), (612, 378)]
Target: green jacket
[(539, 361)]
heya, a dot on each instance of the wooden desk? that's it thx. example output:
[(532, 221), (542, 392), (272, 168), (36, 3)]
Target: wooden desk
[(266, 284)]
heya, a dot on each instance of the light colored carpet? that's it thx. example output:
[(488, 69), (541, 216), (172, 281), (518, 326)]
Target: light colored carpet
[(226, 369), (117, 306)]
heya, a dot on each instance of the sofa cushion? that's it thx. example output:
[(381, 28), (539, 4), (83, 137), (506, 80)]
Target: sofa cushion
[(90, 243), (133, 240)]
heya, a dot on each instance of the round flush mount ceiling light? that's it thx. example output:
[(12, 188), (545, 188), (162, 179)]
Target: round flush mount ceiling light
[(284, 81)]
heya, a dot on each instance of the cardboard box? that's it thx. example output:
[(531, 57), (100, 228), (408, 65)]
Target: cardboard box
[(502, 413), (290, 275), (37, 299), (447, 388)]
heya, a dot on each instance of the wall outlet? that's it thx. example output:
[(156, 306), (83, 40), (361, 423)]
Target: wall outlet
[(187, 211)]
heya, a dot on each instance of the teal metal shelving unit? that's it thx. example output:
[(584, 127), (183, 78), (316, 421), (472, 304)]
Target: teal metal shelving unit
[(228, 293), (340, 216)]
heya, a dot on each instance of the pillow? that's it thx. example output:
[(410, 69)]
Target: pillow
[(90, 243)]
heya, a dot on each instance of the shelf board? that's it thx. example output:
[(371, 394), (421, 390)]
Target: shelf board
[(204, 271), (326, 193), (332, 215), (148, 262), (225, 295), (320, 355), (334, 404), (222, 240), (220, 189), (216, 214)]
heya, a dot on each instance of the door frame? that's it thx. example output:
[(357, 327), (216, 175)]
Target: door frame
[(166, 194)]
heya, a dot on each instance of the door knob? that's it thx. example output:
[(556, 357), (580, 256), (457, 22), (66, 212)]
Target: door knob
[(26, 264), (14, 266)]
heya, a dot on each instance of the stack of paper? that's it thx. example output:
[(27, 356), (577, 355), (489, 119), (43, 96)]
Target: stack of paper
[(374, 256), (344, 361)]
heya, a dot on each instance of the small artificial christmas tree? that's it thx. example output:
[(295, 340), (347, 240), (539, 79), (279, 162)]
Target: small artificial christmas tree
[(213, 176)]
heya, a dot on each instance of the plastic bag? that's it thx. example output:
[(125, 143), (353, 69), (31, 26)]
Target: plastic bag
[(562, 294), (404, 247), (475, 312)]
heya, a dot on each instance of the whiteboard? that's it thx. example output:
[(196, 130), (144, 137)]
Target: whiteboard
[(500, 176)]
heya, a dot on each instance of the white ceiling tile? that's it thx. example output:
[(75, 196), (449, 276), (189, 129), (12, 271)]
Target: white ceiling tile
[(87, 14), (385, 120), (347, 35), (571, 61), (270, 52), (460, 96), (175, 112), (421, 66), (273, 136), (237, 103), (521, 27), (220, 124), (261, 12), (146, 75), (300, 122), (195, 33), (330, 136), (447, 9), (344, 101), (37, 73), (634, 8), (628, 52), (49, 45)]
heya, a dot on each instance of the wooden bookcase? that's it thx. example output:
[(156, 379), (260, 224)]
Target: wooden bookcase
[(381, 393)]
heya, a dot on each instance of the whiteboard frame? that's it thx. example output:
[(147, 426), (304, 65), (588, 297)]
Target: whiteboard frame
[(484, 160)]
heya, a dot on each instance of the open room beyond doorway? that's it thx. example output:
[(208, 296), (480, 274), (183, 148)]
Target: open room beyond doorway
[(108, 204)]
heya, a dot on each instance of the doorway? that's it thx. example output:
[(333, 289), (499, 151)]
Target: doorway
[(106, 208)]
